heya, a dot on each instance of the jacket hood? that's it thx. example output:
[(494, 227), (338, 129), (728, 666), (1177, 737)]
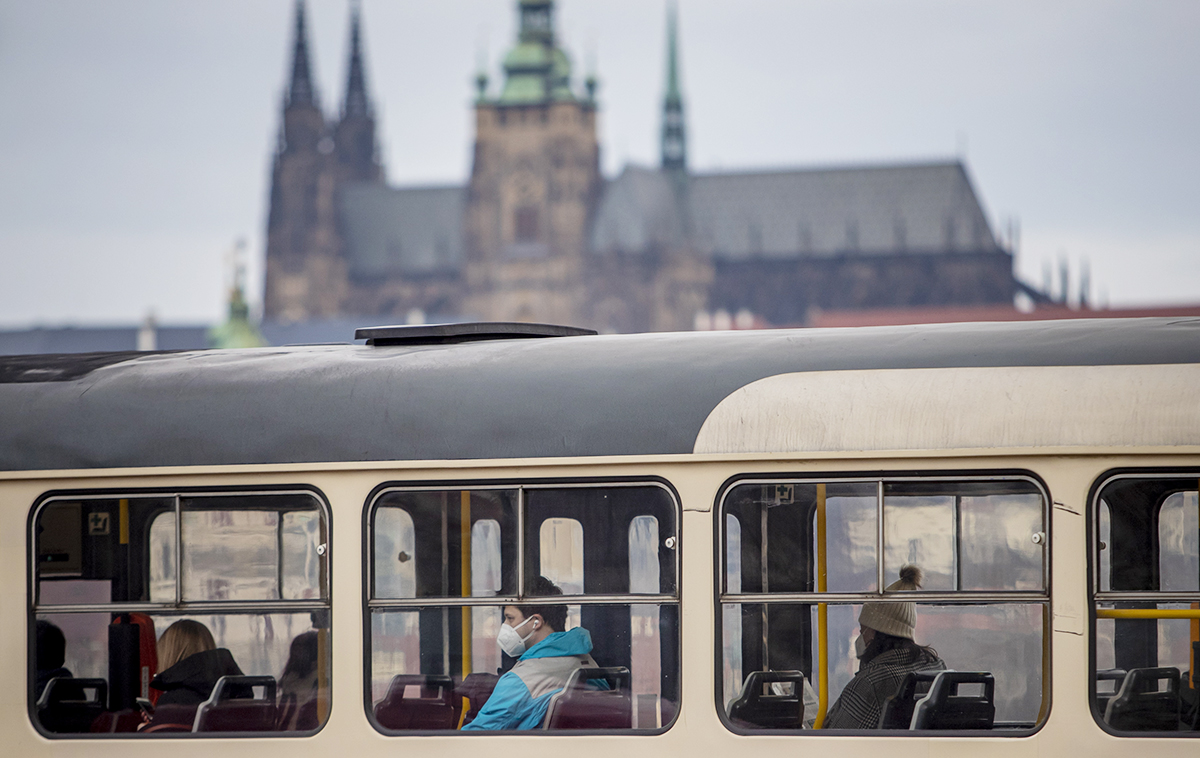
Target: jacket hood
[(198, 672), (577, 641)]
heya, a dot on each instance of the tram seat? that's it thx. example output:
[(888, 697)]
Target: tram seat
[(172, 718), (476, 688), (945, 707), (419, 701), (70, 704), (225, 711), (1108, 684), (898, 708), (580, 705), (118, 722), (770, 711), (1148, 701)]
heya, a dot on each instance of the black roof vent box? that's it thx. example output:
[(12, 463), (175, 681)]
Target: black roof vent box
[(450, 334)]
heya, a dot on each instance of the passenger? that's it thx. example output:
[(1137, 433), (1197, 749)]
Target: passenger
[(298, 686), (51, 655), (547, 656), (887, 653), (190, 663)]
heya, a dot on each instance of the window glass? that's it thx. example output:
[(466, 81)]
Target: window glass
[(802, 585), (434, 654), (1147, 617), (442, 523), (731, 623), (123, 667)]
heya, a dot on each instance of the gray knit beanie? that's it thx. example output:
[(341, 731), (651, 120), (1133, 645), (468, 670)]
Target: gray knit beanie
[(896, 619)]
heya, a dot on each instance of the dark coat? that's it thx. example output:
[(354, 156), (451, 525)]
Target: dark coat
[(191, 681)]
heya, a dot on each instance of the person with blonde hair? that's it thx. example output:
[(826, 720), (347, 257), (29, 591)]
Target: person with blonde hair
[(886, 653), (190, 663)]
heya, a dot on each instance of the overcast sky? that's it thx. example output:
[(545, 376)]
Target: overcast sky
[(135, 136)]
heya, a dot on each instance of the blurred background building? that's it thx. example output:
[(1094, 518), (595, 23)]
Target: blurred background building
[(536, 233)]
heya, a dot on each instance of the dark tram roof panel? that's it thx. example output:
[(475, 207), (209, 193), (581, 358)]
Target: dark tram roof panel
[(451, 334), (639, 394)]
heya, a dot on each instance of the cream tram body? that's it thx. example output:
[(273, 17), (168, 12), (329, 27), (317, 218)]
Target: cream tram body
[(1062, 408)]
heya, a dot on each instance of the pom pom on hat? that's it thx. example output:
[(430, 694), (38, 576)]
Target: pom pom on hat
[(896, 619)]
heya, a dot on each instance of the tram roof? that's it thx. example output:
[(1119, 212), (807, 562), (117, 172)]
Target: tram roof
[(513, 398)]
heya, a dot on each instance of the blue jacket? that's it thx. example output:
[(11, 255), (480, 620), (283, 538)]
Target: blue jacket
[(523, 694)]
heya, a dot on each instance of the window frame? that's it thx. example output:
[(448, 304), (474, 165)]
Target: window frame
[(1094, 580), (371, 604), (1040, 597), (178, 607)]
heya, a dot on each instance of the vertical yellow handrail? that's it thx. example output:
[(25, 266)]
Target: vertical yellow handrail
[(822, 616), (1195, 635), (464, 526)]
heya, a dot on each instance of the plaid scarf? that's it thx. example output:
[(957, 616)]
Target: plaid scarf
[(861, 704)]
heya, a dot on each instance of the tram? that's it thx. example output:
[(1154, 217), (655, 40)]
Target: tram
[(338, 532)]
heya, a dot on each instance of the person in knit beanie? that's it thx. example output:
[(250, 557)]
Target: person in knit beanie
[(887, 653)]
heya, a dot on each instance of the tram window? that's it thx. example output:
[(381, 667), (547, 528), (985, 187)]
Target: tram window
[(802, 566), (1146, 632), (611, 551), (125, 559)]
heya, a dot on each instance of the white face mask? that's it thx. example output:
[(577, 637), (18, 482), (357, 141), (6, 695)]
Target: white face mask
[(511, 641), (860, 646)]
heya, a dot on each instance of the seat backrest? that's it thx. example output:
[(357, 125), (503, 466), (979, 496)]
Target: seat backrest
[(898, 707), (951, 704), (232, 706), (69, 704), (1148, 701), (476, 688), (1108, 684), (581, 705), (419, 701), (756, 707)]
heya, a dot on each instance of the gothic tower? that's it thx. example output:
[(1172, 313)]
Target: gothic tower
[(354, 137), (674, 139), (306, 273), (534, 182)]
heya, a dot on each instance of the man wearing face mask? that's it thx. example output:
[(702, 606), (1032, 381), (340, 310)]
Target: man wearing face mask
[(886, 653), (547, 658)]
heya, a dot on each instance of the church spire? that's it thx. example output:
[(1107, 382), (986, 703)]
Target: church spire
[(301, 91), (674, 143), (357, 105)]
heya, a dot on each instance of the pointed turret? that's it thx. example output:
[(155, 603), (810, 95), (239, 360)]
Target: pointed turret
[(303, 121), (674, 142), (356, 104), (301, 91), (354, 137)]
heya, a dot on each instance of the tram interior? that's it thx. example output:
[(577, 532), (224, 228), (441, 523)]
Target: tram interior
[(979, 544), (1147, 633), (799, 559), (442, 558), (244, 573)]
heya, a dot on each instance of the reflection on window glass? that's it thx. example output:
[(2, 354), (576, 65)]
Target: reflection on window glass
[(1179, 543), (435, 666), (562, 554), (395, 567), (233, 555), (978, 536), (643, 579), (1147, 545), (485, 582), (91, 668), (937, 536), (731, 627)]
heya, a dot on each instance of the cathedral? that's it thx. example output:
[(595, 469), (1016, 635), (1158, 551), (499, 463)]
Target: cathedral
[(537, 233)]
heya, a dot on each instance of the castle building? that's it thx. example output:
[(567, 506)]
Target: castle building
[(537, 233)]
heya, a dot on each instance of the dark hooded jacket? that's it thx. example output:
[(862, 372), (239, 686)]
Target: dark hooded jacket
[(191, 681)]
